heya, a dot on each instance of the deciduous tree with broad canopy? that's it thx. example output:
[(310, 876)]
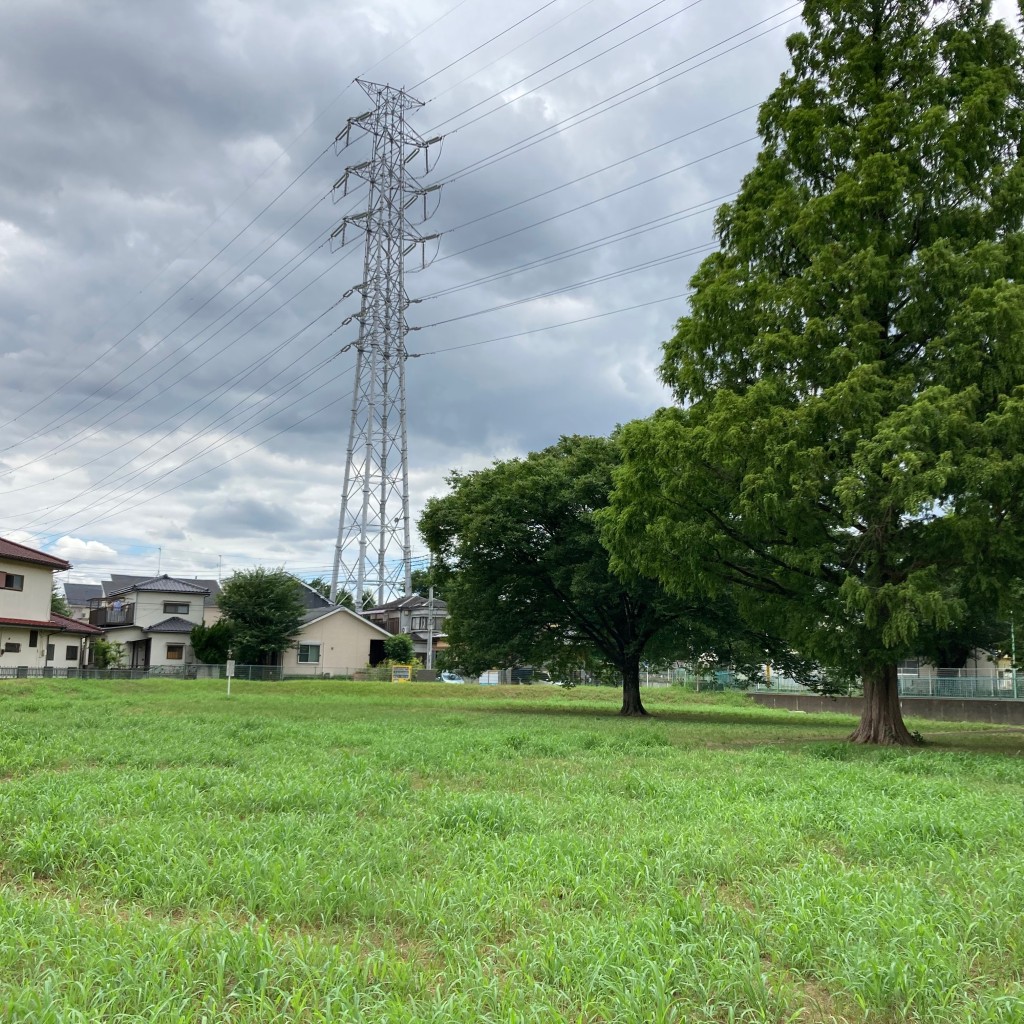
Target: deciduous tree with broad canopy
[(265, 610), (517, 549), (847, 458)]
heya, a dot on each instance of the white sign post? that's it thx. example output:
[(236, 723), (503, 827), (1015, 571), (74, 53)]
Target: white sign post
[(230, 673)]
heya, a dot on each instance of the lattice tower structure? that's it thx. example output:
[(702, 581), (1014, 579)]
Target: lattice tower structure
[(374, 545)]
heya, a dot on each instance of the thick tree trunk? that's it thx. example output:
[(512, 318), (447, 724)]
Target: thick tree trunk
[(881, 721), (631, 703)]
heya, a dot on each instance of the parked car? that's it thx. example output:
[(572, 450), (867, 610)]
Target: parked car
[(450, 677)]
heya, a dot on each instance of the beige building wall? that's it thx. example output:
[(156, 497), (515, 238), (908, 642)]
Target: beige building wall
[(344, 640), (33, 602), (34, 658), (149, 607)]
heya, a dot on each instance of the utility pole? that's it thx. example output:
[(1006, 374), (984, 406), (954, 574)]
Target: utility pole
[(430, 627), (374, 545), (1013, 655)]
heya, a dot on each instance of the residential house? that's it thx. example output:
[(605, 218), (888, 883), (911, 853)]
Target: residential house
[(334, 641), (417, 617), (79, 595), (34, 640), (151, 617)]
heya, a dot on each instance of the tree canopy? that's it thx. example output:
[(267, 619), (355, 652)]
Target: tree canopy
[(265, 611), (846, 459), (212, 644), (527, 580), (58, 602), (399, 649)]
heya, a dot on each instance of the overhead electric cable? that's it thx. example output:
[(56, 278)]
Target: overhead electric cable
[(649, 83), (124, 337), (565, 56), (563, 289), (599, 199), (71, 441), (549, 327), (584, 247), (486, 42), (508, 52), (68, 414), (601, 170)]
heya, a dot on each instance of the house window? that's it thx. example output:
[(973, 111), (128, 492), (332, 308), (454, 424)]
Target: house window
[(175, 652), (12, 648), (309, 654), (12, 581), (33, 638), (175, 608), (71, 653), (420, 622), (50, 651)]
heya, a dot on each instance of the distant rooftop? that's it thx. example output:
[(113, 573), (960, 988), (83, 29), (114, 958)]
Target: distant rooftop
[(158, 584)]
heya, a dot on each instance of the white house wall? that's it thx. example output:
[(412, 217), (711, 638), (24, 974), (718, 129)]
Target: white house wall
[(34, 601), (34, 658)]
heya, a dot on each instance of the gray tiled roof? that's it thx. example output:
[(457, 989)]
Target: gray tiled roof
[(118, 583), (82, 593), (175, 624), (159, 584)]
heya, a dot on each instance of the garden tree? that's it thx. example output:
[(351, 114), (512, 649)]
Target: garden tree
[(423, 580), (212, 644), (527, 579), (399, 649), (59, 603), (107, 653), (265, 611), (847, 457)]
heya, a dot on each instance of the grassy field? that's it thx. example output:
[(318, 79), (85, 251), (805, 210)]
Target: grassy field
[(384, 853)]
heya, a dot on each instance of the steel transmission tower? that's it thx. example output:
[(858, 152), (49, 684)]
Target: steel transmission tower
[(374, 546)]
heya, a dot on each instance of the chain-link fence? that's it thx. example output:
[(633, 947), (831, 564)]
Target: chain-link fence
[(258, 672)]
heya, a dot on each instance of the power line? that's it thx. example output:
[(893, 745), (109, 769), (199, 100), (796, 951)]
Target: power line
[(502, 56), (210, 396), (558, 60), (584, 247), (549, 327), (486, 42), (562, 290), (601, 170), (124, 337), (599, 199), (68, 414), (221, 214), (649, 83), (70, 442)]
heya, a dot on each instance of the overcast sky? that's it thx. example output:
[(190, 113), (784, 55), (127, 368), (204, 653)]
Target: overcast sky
[(167, 392)]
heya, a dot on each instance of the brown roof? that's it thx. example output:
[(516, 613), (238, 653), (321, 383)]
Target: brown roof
[(67, 625), (20, 553), (56, 623)]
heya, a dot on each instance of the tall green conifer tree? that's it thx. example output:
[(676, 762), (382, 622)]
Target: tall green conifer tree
[(847, 452)]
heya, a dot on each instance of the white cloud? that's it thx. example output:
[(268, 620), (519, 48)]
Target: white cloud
[(83, 552)]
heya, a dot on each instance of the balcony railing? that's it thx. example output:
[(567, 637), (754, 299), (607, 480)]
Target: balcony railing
[(123, 616)]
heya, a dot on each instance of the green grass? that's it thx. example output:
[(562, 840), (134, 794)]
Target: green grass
[(338, 851)]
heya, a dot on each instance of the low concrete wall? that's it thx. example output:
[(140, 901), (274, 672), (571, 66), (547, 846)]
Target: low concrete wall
[(943, 709)]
